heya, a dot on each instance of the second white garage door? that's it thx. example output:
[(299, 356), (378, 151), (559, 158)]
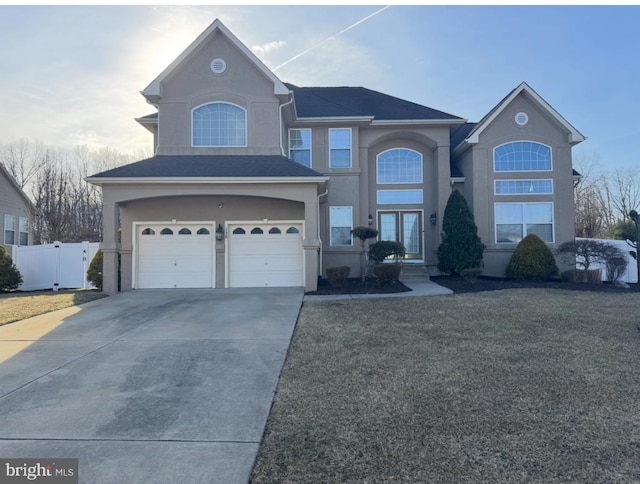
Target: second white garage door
[(265, 255)]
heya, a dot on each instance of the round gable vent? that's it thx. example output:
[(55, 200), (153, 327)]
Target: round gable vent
[(218, 66), (521, 119)]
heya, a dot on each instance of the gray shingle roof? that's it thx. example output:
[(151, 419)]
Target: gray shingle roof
[(223, 166), (318, 102)]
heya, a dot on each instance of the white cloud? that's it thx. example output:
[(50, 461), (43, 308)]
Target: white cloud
[(268, 47)]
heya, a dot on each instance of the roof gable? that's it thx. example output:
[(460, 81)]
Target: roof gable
[(5, 173), (574, 136), (217, 27)]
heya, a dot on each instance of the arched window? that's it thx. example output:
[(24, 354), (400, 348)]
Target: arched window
[(166, 231), (522, 156), (184, 231), (148, 231), (219, 124), (239, 231), (257, 230), (293, 230), (203, 231), (399, 165), (275, 230)]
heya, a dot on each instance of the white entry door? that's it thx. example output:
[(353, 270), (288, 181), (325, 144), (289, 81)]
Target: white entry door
[(175, 255), (265, 255)]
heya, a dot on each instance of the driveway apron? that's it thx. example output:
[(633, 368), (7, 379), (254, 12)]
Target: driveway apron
[(158, 386)]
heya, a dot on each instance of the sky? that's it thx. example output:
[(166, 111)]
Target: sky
[(72, 75)]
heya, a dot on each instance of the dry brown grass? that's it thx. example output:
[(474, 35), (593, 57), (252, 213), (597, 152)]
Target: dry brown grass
[(16, 306), (528, 385)]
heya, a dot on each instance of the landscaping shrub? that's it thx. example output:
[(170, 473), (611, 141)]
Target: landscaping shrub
[(471, 274), (387, 273), (94, 273), (578, 275), (379, 251), (10, 277), (532, 260), (337, 276), (616, 265), (461, 248)]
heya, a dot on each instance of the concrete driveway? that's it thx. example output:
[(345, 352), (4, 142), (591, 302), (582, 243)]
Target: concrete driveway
[(159, 386)]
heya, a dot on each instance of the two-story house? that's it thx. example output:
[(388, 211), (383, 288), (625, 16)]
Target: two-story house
[(256, 182)]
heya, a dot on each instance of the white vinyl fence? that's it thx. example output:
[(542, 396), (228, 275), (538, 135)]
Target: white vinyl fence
[(631, 274), (54, 266)]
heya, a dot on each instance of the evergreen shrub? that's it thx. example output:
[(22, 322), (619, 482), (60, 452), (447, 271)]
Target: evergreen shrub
[(532, 260), (10, 277)]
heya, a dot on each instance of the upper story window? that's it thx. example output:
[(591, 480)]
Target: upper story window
[(522, 156), (399, 165), (524, 187), (300, 146), (340, 148), (219, 124)]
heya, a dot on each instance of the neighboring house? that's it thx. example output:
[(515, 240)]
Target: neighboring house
[(16, 212), (256, 182)]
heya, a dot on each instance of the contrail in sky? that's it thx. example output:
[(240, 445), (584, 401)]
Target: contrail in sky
[(332, 37)]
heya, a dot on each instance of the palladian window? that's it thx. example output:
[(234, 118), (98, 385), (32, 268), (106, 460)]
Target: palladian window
[(219, 124), (522, 156), (399, 165)]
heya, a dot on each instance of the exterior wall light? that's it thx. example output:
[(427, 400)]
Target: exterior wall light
[(370, 219), (219, 232), (433, 218)]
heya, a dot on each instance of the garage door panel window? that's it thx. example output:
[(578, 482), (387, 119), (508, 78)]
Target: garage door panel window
[(166, 231), (293, 230), (148, 231), (257, 231), (239, 231), (203, 231), (514, 221), (275, 230), (341, 221), (185, 231)]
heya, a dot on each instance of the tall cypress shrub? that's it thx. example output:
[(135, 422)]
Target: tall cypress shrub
[(10, 277), (461, 248)]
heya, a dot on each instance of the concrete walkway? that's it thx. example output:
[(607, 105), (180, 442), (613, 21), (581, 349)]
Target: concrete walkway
[(420, 286), (159, 386)]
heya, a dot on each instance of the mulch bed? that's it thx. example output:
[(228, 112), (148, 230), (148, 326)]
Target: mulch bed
[(460, 285), (355, 285)]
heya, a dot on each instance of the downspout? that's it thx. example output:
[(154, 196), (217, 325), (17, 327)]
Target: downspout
[(281, 123)]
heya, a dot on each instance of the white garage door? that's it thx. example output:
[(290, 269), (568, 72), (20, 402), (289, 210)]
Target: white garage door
[(175, 255), (265, 255)]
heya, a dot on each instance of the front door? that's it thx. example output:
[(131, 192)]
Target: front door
[(405, 227)]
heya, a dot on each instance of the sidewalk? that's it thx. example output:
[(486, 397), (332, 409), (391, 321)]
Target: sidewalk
[(420, 286)]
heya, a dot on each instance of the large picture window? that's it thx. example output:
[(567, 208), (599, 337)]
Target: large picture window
[(219, 124), (300, 146), (341, 223), (522, 156), (514, 221), (399, 165), (340, 148)]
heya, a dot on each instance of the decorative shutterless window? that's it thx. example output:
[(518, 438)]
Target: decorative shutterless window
[(340, 148), (341, 223), (514, 221), (9, 229), (524, 187), (522, 156), (219, 125), (24, 230), (399, 165), (399, 197), (300, 146)]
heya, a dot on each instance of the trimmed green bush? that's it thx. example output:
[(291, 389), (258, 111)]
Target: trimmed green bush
[(532, 260), (379, 251), (337, 276), (94, 273), (387, 273), (10, 277), (461, 248)]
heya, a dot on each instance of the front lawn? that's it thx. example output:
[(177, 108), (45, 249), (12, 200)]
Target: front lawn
[(15, 306), (527, 385)]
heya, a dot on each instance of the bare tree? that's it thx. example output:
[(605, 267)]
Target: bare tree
[(592, 217), (622, 192), (23, 159)]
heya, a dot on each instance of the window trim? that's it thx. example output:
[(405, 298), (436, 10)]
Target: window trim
[(15, 220), (400, 183), (331, 226), (246, 124), (495, 186), (524, 221), (350, 148), (310, 149), (523, 171)]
